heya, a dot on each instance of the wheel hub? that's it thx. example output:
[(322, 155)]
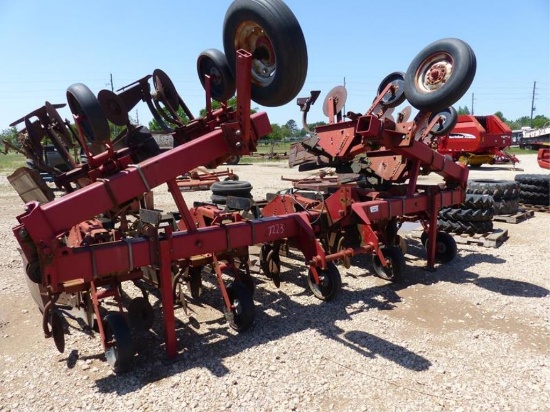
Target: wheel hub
[(437, 75), (253, 38)]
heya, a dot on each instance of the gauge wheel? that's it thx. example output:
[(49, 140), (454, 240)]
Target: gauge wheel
[(242, 312), (119, 350), (233, 160), (269, 31), (445, 250), (272, 267), (448, 117), (141, 314), (440, 75), (212, 62), (86, 106), (396, 96), (329, 285), (396, 264)]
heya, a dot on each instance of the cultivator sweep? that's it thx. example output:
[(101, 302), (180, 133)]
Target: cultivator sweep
[(80, 248)]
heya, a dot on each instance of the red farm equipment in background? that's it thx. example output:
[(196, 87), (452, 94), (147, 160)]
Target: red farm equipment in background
[(543, 156), (80, 248), (477, 140)]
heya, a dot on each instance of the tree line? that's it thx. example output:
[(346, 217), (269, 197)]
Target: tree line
[(291, 130)]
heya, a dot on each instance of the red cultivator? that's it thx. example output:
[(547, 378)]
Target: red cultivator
[(385, 156), (81, 247)]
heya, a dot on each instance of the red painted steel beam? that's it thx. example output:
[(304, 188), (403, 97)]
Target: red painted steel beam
[(44, 222), (92, 262)]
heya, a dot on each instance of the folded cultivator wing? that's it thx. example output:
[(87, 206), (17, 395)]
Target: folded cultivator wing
[(82, 247)]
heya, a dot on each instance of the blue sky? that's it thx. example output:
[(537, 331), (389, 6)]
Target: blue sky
[(48, 45)]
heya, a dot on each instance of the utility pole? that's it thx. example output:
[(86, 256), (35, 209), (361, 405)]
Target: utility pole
[(533, 108), (344, 102), (112, 88), (472, 104)]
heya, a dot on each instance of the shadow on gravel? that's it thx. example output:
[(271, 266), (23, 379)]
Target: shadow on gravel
[(457, 272), (278, 315), (206, 345)]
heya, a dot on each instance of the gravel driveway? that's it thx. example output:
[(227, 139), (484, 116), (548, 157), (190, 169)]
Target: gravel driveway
[(473, 335)]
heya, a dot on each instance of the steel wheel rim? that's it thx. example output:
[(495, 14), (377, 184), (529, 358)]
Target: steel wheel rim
[(434, 72), (251, 37)]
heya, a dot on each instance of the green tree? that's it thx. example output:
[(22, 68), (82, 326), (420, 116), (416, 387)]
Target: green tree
[(463, 110), (501, 117), (10, 136), (277, 133), (540, 121), (292, 128)]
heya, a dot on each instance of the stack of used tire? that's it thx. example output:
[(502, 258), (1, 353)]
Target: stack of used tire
[(473, 216), (236, 188), (484, 200), (534, 189), (505, 193)]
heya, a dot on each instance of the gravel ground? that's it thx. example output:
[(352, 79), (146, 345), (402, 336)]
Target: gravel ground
[(473, 335)]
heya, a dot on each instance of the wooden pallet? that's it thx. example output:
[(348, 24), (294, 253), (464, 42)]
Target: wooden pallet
[(536, 208), (518, 217), (490, 239)]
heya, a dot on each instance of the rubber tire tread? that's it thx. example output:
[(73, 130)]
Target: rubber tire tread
[(499, 189), (507, 207), (467, 215), (456, 85), (287, 39), (451, 226), (542, 180), (525, 187), (534, 198), (472, 201)]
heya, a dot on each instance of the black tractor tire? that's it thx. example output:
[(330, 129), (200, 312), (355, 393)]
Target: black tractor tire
[(499, 189), (86, 106), (279, 51), (231, 188), (534, 198), (458, 227), (478, 202), (525, 187), (212, 62), (507, 207), (467, 215), (450, 53), (533, 179)]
